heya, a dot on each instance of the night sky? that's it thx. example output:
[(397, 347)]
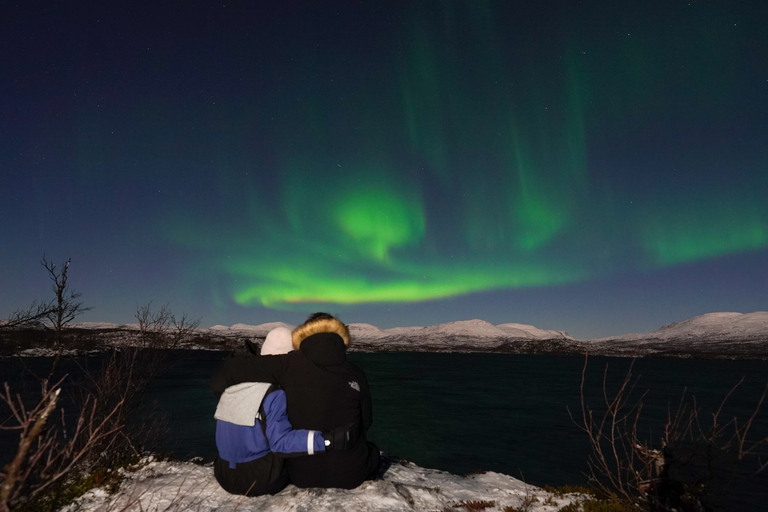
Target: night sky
[(596, 167)]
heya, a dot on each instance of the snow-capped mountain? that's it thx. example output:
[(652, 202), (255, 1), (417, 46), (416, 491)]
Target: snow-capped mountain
[(725, 335), (260, 330), (708, 327), (722, 335), (461, 336), (719, 335)]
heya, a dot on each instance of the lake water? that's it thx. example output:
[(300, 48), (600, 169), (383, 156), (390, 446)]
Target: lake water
[(498, 412)]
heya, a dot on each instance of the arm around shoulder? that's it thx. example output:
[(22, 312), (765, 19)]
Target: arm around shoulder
[(283, 439)]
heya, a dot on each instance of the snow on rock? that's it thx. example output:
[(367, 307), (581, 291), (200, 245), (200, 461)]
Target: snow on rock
[(529, 331), (261, 329), (472, 328), (171, 486), (708, 326), (361, 330), (463, 328), (719, 324)]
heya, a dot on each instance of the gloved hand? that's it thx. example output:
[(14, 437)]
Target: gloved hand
[(342, 438)]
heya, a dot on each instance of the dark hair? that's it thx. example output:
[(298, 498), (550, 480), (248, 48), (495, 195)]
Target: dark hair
[(319, 316)]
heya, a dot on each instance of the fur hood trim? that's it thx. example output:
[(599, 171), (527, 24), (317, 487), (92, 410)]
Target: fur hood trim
[(333, 325)]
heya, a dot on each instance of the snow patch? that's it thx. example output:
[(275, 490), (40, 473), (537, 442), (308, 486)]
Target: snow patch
[(261, 329), (529, 331), (404, 487), (473, 328), (365, 331)]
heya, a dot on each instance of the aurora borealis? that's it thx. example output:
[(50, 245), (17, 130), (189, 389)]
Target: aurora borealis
[(596, 167)]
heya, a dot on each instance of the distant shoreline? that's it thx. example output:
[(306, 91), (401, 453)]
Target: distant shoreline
[(756, 349)]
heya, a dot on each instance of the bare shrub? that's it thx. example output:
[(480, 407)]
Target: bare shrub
[(47, 454), (692, 462), (526, 501), (525, 504), (76, 431), (125, 377), (86, 428), (474, 505), (162, 329)]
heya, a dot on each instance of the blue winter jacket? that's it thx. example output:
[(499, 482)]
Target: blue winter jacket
[(238, 443)]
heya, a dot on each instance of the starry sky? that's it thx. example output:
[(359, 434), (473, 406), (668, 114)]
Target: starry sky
[(596, 167)]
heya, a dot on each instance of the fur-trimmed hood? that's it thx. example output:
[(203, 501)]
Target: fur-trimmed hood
[(331, 325)]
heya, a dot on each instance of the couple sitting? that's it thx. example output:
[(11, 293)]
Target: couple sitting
[(295, 416)]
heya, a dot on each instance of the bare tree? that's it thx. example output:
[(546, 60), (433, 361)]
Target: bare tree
[(161, 328), (32, 316), (692, 461), (183, 327), (153, 325), (66, 306)]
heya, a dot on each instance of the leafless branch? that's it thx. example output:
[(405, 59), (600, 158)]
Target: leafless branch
[(31, 316), (161, 328), (66, 306), (686, 464)]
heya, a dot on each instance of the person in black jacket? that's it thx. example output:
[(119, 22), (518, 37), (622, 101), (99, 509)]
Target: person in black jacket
[(324, 392)]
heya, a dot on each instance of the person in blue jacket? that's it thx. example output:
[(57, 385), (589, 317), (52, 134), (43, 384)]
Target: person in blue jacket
[(253, 434)]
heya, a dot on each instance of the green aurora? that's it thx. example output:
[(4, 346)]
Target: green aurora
[(477, 161)]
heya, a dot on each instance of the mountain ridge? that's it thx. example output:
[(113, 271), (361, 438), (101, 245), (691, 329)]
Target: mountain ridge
[(724, 335)]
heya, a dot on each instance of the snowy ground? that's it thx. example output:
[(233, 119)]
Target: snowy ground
[(176, 486)]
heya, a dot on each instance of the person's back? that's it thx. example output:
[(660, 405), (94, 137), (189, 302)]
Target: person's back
[(325, 392)]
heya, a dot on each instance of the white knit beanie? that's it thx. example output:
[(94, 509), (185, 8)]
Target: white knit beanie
[(278, 342)]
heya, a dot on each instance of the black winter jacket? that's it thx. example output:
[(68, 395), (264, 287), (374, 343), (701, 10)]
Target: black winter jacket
[(324, 392)]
